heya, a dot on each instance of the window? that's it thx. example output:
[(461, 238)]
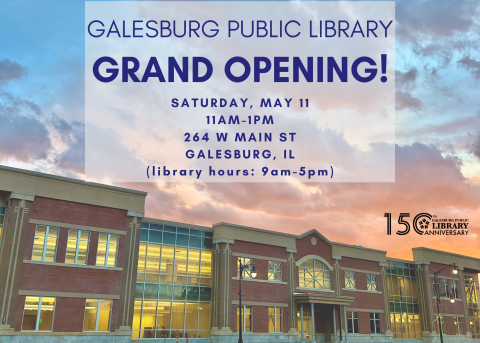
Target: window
[(314, 274), (38, 314), (444, 327), (45, 243), (247, 273), (350, 279), (77, 246), (374, 322), (458, 325), (275, 319), (275, 271), (371, 282), (352, 320), (445, 287), (97, 315), (247, 318), (454, 289), (436, 286), (107, 250)]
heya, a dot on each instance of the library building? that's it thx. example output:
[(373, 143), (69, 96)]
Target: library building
[(79, 261)]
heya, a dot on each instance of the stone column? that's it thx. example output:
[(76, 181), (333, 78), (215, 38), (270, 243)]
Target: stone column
[(337, 275), (222, 287), (291, 283), (386, 302), (463, 296), (129, 272), (424, 286), (12, 252)]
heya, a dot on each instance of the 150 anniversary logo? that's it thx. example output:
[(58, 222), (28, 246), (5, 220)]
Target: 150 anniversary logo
[(427, 224)]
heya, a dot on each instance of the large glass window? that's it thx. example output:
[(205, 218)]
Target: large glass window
[(247, 318), (403, 300), (371, 282), (275, 319), (375, 323), (77, 246), (97, 315), (314, 274), (352, 320), (457, 321), (173, 290), (107, 250), (350, 280), (275, 271), (38, 314), (473, 306), (45, 243)]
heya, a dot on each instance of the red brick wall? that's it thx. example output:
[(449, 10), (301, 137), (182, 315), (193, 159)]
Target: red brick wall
[(259, 249), (445, 305), (69, 313), (305, 247), (79, 214), (348, 262)]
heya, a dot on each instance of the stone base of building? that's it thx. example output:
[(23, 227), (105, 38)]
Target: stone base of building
[(65, 339)]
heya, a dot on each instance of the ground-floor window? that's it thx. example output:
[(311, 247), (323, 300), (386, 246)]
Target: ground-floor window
[(458, 325), (97, 315), (352, 320), (38, 314), (275, 319), (375, 323), (444, 327), (247, 318)]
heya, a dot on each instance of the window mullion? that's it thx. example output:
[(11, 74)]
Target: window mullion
[(45, 244), (78, 246), (98, 315), (39, 310), (107, 248)]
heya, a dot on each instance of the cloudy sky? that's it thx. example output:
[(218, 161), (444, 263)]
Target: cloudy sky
[(437, 131)]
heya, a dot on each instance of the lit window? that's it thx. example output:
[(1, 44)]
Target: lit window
[(444, 326), (275, 271), (38, 314), (275, 319), (454, 289), (247, 272), (350, 279), (45, 243), (436, 286), (371, 282), (314, 274), (375, 323), (107, 250), (97, 315), (247, 318), (458, 325), (77, 246), (352, 320)]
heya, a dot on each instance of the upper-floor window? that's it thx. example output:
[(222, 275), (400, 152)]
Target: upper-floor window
[(97, 315), (77, 246), (454, 289), (38, 314), (247, 272), (275, 271), (314, 274), (371, 282), (457, 321), (350, 281), (107, 250), (445, 287), (45, 243)]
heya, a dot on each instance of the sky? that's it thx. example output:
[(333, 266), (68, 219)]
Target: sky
[(42, 116)]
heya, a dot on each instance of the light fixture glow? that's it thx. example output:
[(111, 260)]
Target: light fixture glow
[(254, 271)]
